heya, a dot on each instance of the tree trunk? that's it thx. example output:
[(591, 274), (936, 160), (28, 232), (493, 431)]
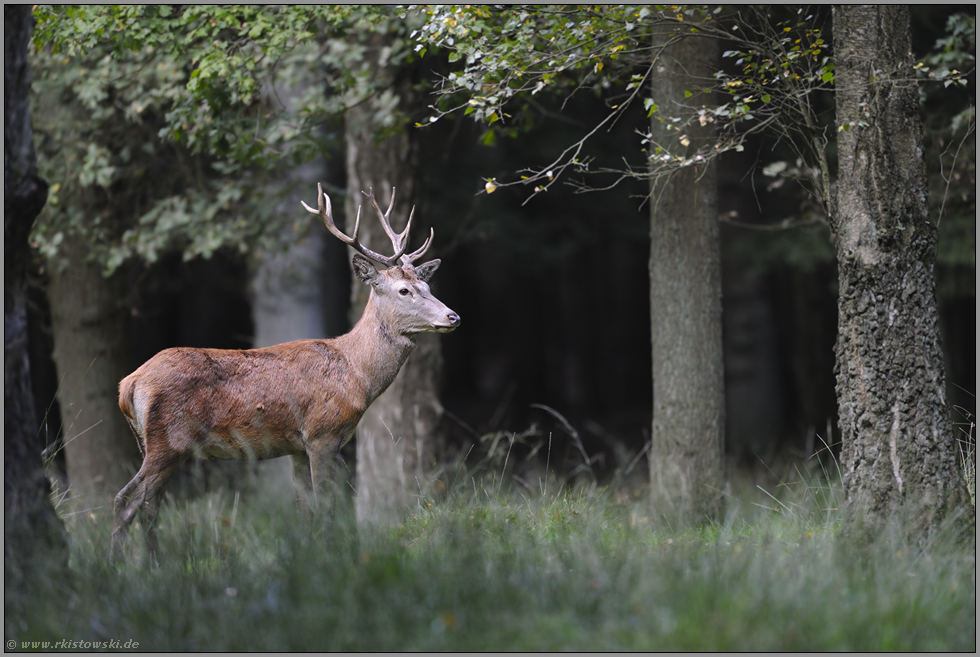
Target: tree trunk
[(686, 471), (34, 536), (898, 443), (398, 437), (92, 352)]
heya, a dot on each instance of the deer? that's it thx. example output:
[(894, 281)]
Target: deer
[(301, 399)]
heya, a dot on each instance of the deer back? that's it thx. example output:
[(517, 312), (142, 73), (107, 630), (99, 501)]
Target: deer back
[(257, 403)]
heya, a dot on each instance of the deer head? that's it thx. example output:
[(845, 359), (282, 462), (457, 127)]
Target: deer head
[(400, 292)]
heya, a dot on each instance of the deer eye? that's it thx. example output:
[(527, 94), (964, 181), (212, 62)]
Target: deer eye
[(404, 291)]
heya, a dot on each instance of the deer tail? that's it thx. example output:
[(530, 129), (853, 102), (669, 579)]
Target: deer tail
[(127, 391)]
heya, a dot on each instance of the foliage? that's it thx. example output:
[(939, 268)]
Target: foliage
[(477, 570), (227, 57), (227, 93), (950, 145), (115, 184), (956, 48), (509, 54), (164, 128), (774, 82)]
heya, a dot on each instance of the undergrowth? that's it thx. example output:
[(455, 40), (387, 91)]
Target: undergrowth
[(492, 566)]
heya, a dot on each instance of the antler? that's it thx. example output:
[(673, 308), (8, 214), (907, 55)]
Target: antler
[(409, 258), (399, 240), (325, 213)]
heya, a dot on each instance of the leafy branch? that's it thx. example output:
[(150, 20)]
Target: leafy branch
[(507, 53)]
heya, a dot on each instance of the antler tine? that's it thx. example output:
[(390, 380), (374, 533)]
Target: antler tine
[(398, 240), (409, 258), (324, 211)]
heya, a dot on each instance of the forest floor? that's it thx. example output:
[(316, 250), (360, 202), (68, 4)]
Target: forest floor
[(492, 567)]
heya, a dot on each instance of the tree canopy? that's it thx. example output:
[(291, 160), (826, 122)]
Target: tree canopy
[(221, 94), (217, 96), (777, 61), (509, 55)]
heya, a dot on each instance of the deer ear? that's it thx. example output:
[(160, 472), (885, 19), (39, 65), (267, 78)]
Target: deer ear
[(426, 270), (364, 270)]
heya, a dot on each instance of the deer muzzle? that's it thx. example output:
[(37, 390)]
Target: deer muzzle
[(453, 321)]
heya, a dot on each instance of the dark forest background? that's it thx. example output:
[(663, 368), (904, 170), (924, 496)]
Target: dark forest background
[(553, 292)]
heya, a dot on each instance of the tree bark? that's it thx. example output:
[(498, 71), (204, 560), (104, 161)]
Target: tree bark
[(899, 450), (34, 537), (92, 352), (687, 450), (399, 435)]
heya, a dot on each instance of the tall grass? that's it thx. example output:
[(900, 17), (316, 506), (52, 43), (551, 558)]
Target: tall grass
[(967, 444), (488, 566)]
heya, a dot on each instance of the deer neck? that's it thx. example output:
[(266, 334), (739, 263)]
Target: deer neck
[(377, 349)]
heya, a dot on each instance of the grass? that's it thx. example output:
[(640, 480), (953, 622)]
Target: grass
[(967, 444), (489, 567)]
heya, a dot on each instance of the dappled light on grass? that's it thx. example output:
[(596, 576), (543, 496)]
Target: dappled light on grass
[(579, 569)]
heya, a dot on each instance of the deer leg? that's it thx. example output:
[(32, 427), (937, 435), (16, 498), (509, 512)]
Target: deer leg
[(125, 508), (323, 478), (303, 484), (141, 497), (154, 486)]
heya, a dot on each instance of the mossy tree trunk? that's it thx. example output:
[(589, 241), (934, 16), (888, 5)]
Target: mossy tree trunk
[(899, 450), (687, 450)]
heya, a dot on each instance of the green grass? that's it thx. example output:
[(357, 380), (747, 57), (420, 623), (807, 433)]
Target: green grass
[(581, 569)]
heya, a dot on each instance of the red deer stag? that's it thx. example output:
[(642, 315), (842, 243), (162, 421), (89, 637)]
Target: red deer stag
[(302, 399)]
